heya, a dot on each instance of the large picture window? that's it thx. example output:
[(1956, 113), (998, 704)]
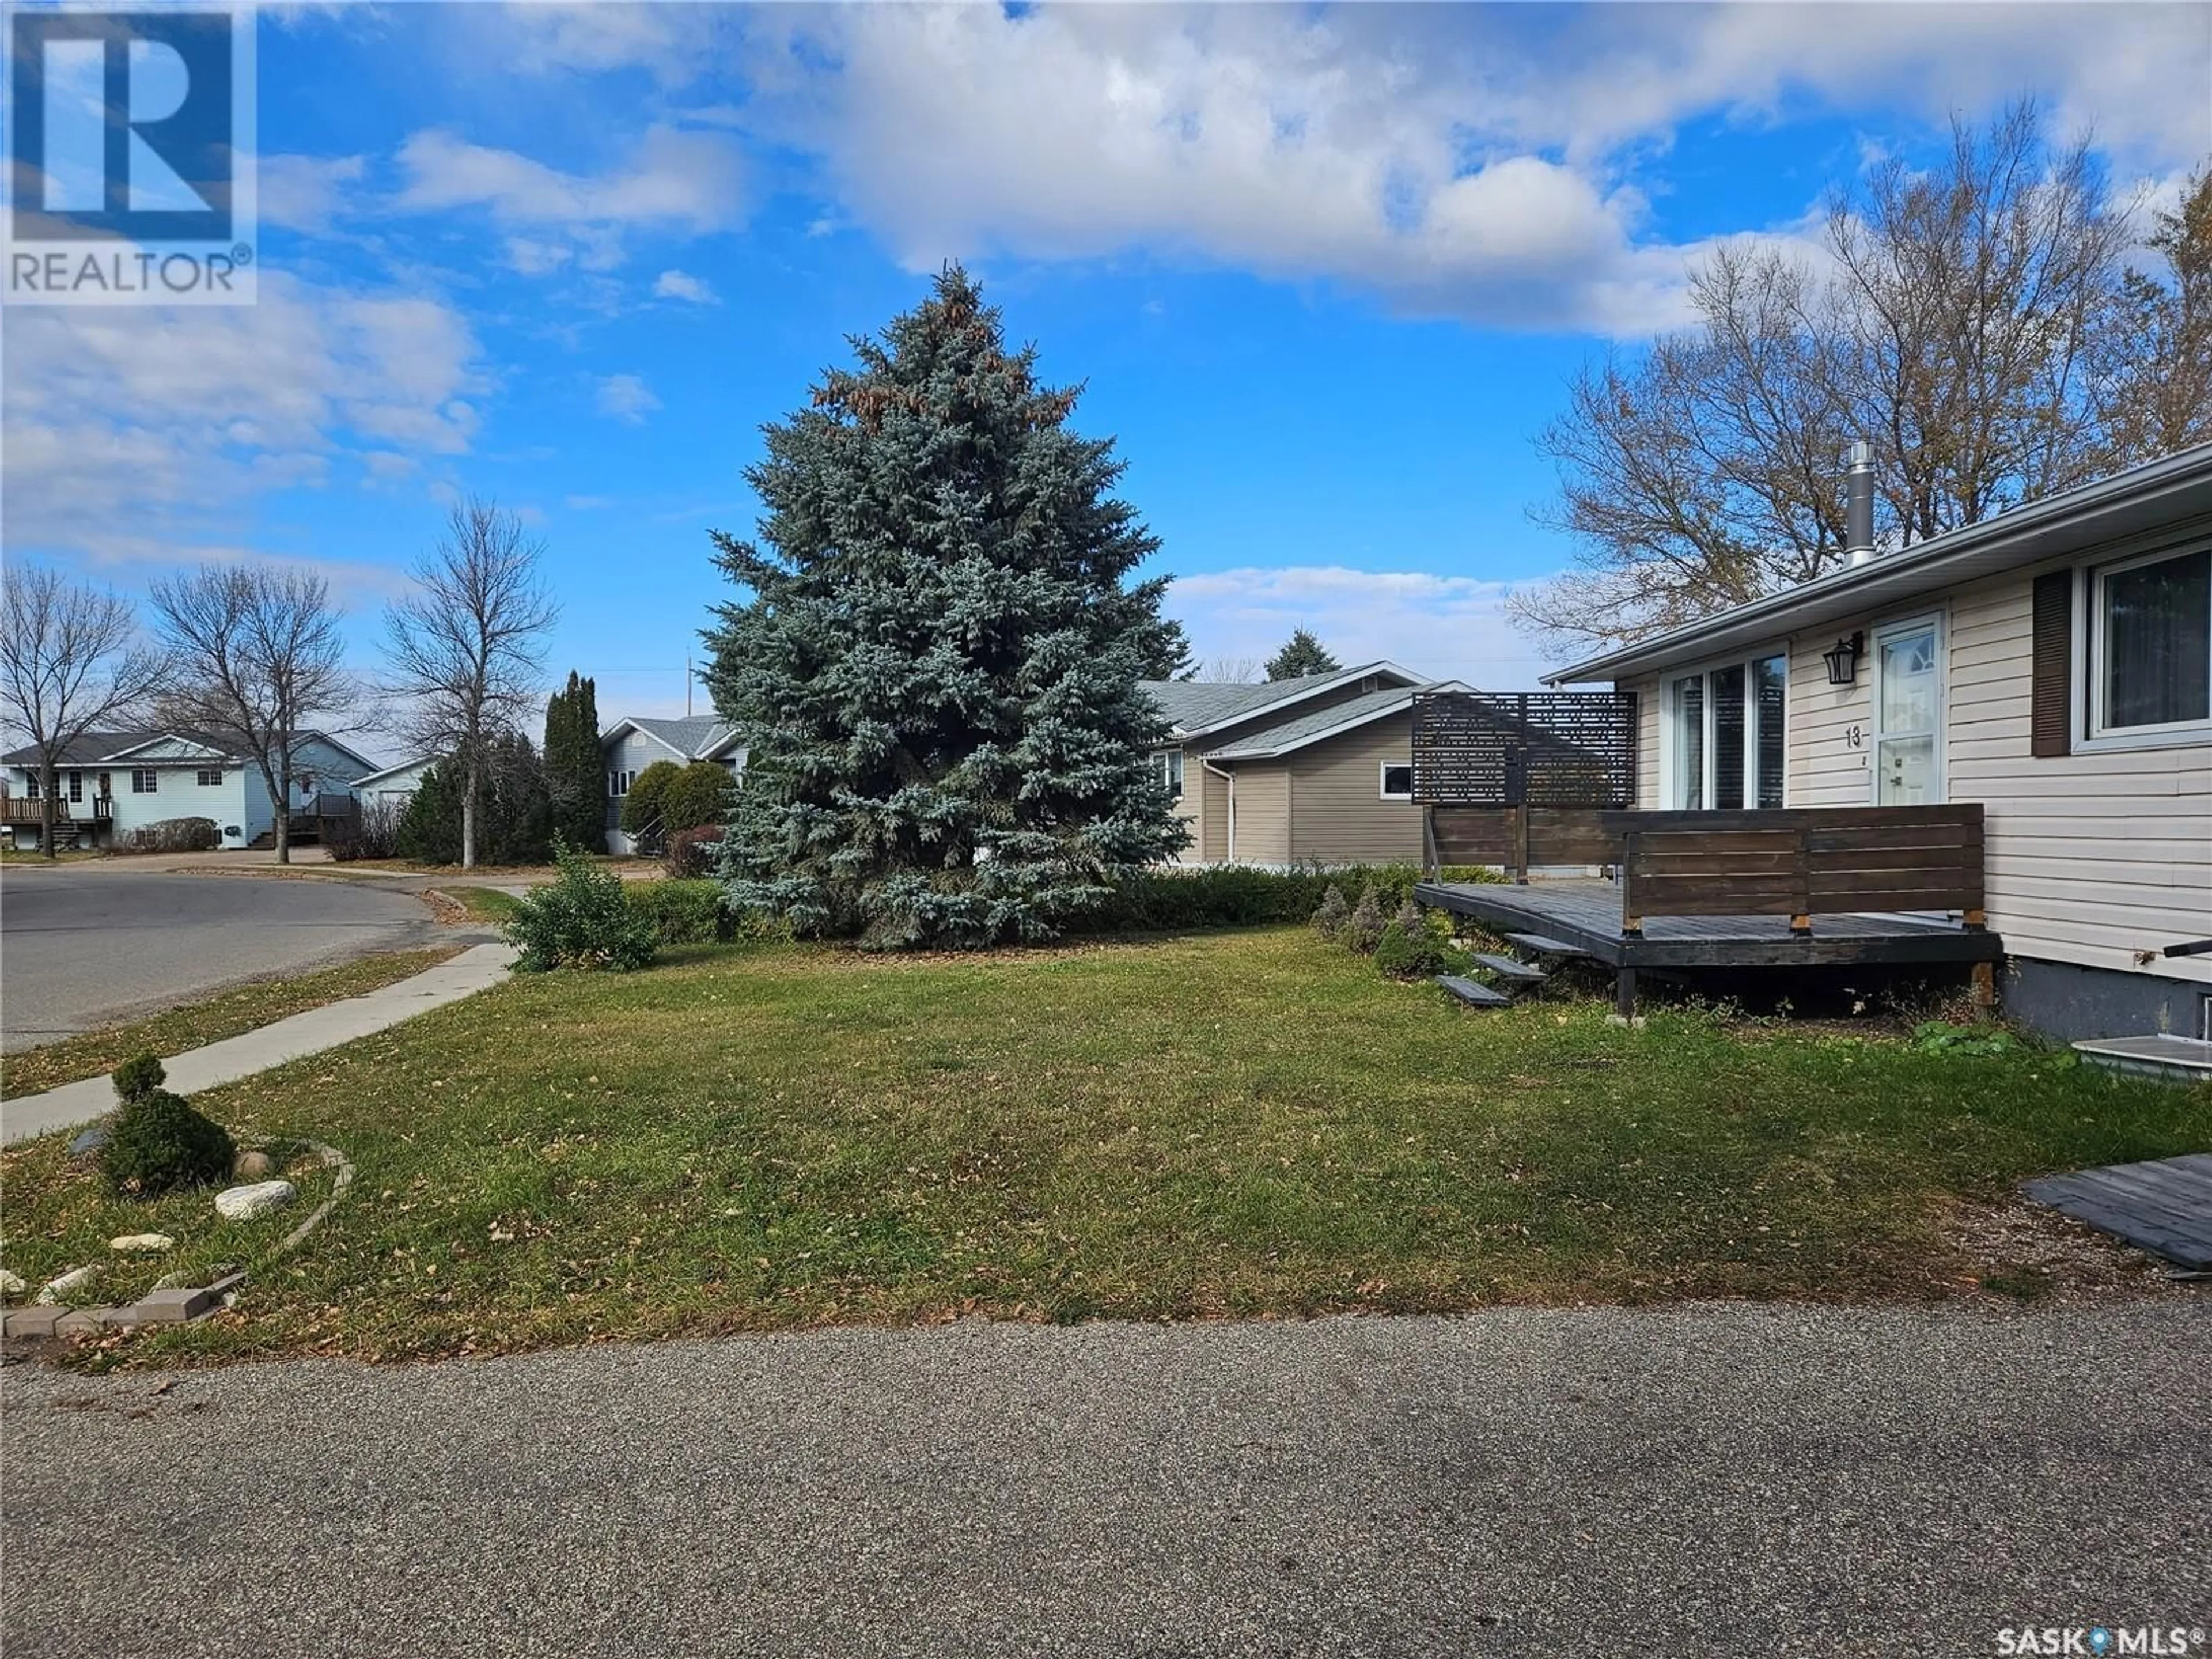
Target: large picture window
[(1728, 735), (2150, 645)]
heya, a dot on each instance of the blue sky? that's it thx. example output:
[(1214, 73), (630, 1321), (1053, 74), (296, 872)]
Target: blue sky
[(1323, 271)]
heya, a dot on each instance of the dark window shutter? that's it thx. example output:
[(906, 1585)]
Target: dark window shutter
[(2051, 725)]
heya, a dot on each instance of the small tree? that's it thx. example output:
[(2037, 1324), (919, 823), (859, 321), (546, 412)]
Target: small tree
[(257, 663), (576, 773), (644, 806), (465, 649), (71, 664), (1302, 654), (429, 830)]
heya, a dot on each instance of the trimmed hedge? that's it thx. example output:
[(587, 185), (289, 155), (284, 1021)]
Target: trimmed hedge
[(1238, 895), (176, 835)]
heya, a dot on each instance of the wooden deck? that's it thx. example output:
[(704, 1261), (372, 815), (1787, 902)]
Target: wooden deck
[(1587, 915), (2164, 1206)]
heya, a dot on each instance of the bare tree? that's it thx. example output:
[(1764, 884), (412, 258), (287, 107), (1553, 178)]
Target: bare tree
[(466, 651), (257, 661), (73, 664), (2154, 370), (1956, 326), (1233, 671)]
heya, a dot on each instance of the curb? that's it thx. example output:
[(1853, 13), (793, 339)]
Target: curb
[(182, 1303)]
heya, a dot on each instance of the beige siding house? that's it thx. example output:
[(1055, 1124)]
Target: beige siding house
[(2055, 665), (1298, 771)]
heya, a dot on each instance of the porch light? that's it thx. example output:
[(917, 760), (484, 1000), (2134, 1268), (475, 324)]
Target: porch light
[(1843, 660)]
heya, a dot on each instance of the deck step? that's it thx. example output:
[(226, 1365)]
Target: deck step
[(1475, 995), (1544, 946), (2173, 1059), (1512, 968)]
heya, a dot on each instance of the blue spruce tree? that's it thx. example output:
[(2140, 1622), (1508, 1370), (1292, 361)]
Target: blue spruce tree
[(935, 656)]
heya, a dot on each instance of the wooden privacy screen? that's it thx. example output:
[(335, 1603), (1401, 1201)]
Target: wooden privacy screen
[(1524, 748), (1778, 863)]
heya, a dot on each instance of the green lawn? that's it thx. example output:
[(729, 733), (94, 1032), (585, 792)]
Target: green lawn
[(1235, 1124)]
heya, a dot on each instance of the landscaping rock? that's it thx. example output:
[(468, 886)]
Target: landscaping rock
[(254, 1164), (90, 1141), (11, 1284), (143, 1244), (246, 1203), (58, 1291), (171, 1281)]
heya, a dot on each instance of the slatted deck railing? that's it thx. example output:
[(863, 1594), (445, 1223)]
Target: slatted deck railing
[(1794, 862)]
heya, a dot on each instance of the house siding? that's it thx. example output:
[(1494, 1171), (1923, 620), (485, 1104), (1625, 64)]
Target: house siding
[(1213, 808), (1338, 814), (1263, 812)]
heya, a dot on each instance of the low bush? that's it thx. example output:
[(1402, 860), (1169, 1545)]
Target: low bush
[(1416, 946), (1335, 910), (696, 797), (1239, 896), (681, 912), (372, 831), (176, 836), (689, 855), (158, 1142), (582, 919), (1363, 929)]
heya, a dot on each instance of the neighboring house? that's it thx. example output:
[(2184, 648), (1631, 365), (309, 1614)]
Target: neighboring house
[(111, 783), (1313, 770), (630, 745), (395, 786), (2054, 664)]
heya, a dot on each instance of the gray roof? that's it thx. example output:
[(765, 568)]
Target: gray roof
[(1304, 728), (692, 736), (95, 747), (1196, 706)]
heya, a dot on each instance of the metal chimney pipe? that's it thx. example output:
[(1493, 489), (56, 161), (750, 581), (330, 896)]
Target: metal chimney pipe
[(1858, 505)]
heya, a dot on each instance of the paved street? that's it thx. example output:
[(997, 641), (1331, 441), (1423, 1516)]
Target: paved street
[(83, 944), (1722, 1479)]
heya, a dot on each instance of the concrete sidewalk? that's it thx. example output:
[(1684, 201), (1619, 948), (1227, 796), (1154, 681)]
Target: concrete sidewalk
[(309, 1033)]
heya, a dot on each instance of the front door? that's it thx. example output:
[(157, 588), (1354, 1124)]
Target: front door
[(1908, 699)]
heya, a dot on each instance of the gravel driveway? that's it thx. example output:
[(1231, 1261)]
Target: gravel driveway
[(84, 945), (1716, 1479)]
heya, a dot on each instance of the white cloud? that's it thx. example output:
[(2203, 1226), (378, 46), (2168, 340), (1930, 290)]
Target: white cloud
[(136, 432), (626, 398), (673, 180), (1473, 163), (305, 192), (1450, 627), (681, 285), (674, 43)]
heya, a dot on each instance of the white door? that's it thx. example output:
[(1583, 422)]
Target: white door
[(1908, 711)]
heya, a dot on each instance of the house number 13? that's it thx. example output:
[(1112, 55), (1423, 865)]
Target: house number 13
[(1855, 737)]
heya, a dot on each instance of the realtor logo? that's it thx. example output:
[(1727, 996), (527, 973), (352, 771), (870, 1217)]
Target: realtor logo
[(130, 155)]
